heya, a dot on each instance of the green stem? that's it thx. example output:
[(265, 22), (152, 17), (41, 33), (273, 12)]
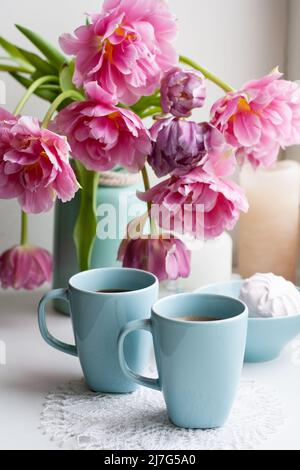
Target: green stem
[(150, 112), (149, 205), (35, 85), (210, 76), (86, 225), (24, 228), (72, 94)]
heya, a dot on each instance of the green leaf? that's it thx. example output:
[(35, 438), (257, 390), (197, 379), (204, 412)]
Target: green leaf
[(36, 75), (51, 53), (41, 66), (145, 102), (12, 68), (16, 54), (47, 95), (66, 76), (7, 59), (86, 225)]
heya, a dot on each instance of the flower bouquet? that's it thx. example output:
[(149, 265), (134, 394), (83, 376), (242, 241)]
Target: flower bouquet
[(121, 67)]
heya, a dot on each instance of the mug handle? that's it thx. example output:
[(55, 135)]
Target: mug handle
[(139, 379), (55, 343)]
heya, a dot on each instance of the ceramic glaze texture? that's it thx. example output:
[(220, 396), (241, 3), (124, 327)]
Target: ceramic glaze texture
[(97, 319), (199, 363)]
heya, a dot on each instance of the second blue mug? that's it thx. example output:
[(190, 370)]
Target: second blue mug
[(199, 342), (102, 302)]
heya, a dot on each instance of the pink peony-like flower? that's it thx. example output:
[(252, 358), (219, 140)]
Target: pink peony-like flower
[(25, 267), (220, 157), (7, 121), (182, 91), (167, 258), (198, 204), (102, 135), (34, 164), (126, 48), (260, 119), (180, 145)]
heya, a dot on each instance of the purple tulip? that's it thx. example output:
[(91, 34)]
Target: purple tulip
[(178, 146), (166, 258), (182, 91)]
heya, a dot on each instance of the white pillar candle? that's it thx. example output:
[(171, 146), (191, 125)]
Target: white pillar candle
[(268, 234), (211, 262)]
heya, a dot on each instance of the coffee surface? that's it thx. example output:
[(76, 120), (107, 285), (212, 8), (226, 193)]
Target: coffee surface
[(113, 291), (198, 319)]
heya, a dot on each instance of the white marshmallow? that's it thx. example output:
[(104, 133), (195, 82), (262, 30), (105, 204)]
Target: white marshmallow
[(267, 295)]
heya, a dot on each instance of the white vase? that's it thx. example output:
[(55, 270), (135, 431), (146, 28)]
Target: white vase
[(211, 262)]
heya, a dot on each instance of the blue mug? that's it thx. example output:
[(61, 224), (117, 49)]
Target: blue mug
[(102, 302), (199, 342)]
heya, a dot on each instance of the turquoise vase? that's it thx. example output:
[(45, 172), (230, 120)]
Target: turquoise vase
[(119, 205)]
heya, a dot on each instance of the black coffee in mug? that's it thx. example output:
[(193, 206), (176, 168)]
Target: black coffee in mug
[(113, 291), (198, 319)]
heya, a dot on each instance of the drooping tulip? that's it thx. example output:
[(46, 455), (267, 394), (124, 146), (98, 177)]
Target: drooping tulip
[(34, 164), (198, 203), (25, 267), (167, 258), (260, 119)]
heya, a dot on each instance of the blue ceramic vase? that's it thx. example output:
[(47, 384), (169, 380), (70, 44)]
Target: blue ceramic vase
[(126, 206)]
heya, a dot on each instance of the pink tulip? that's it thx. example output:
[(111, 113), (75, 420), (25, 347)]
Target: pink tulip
[(166, 258), (220, 157), (126, 48), (260, 119), (34, 164), (25, 267), (102, 135), (198, 204)]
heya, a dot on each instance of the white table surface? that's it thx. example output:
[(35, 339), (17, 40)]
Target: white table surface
[(33, 369)]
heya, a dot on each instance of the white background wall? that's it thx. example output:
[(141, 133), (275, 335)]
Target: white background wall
[(237, 39)]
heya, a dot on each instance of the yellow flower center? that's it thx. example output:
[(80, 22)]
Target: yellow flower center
[(114, 117), (244, 106), (120, 31), (35, 166), (109, 48), (43, 154)]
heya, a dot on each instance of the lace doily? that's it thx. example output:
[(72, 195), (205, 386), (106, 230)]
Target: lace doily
[(74, 416)]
